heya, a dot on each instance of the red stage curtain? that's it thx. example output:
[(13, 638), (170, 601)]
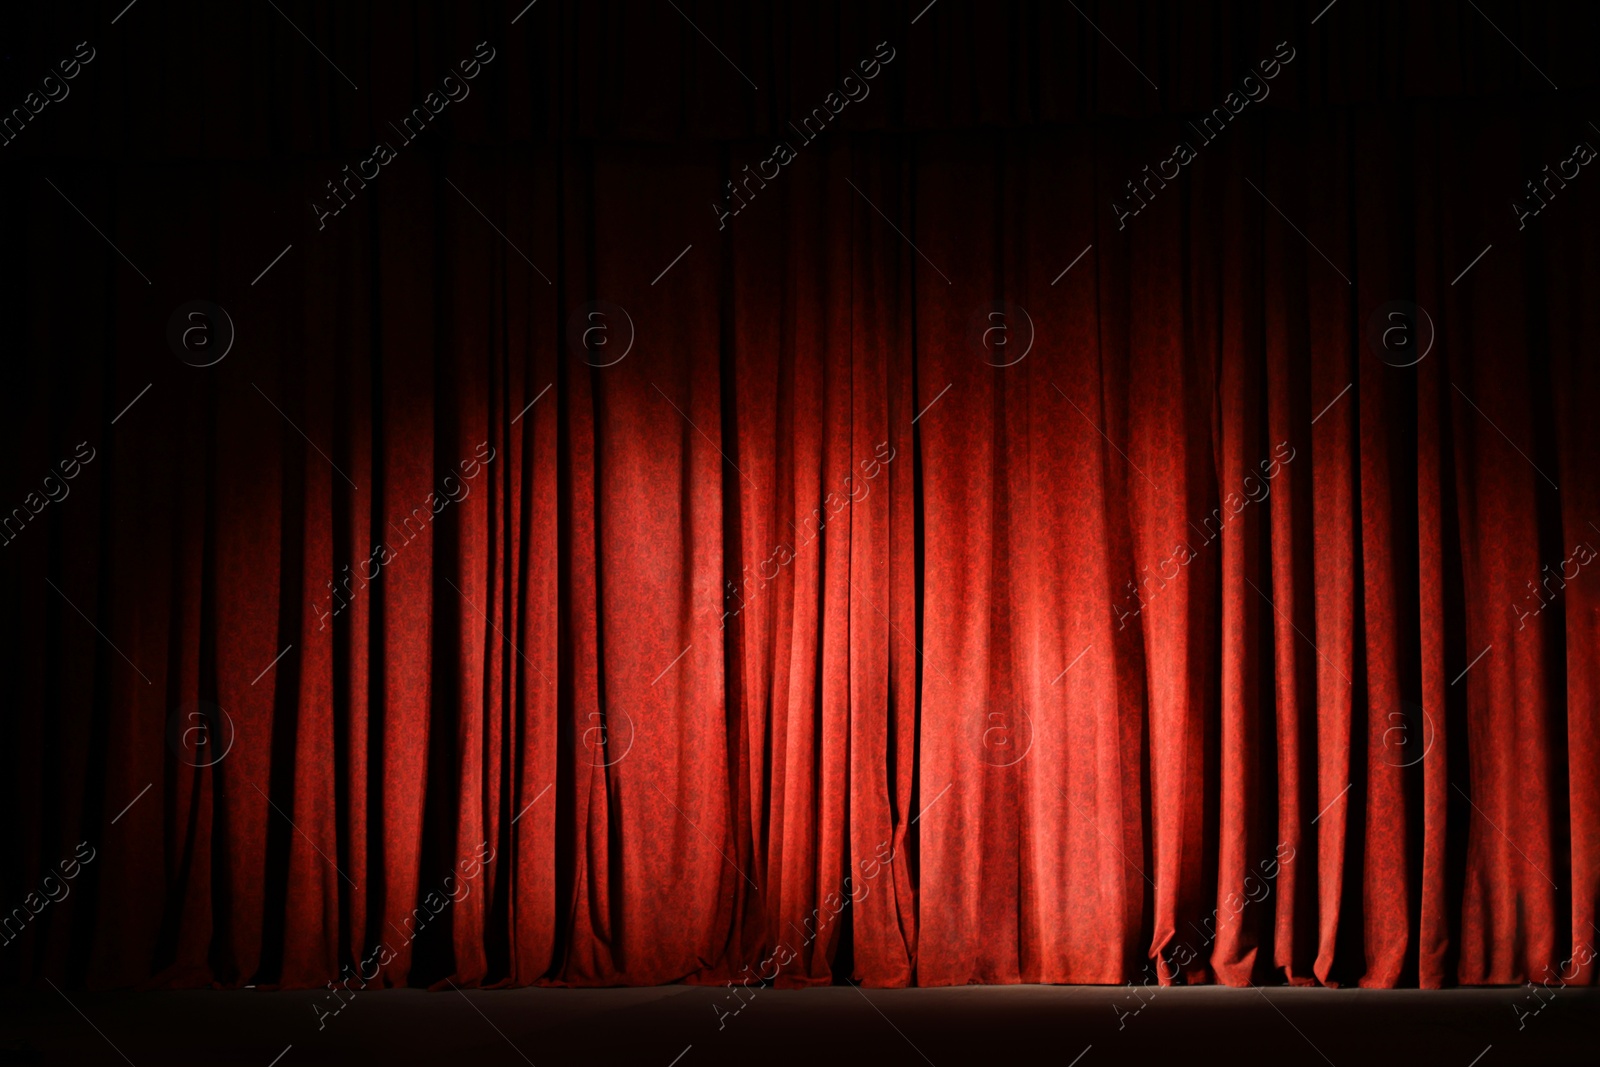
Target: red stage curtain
[(803, 587)]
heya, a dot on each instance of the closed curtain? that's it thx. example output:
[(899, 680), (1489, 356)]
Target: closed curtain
[(955, 557)]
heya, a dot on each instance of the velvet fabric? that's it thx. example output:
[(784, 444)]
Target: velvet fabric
[(796, 617)]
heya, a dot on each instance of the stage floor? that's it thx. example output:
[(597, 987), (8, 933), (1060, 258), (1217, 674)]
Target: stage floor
[(680, 1026)]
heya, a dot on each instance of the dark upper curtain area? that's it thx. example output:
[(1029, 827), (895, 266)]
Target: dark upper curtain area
[(211, 81)]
